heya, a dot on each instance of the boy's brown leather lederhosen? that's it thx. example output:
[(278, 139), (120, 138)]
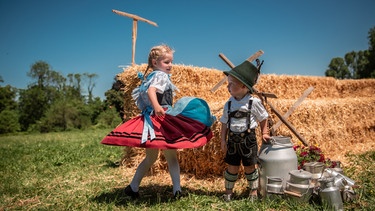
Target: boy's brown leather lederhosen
[(240, 142)]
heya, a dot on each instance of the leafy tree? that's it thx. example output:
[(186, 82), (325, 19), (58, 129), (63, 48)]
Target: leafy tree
[(73, 89), (9, 121), (45, 76), (355, 65), (338, 69), (69, 112), (66, 114), (95, 108), (56, 103), (8, 109), (91, 84), (362, 61), (58, 117), (83, 120), (58, 81), (7, 98), (33, 102), (37, 98), (109, 118), (369, 70), (39, 71), (115, 98)]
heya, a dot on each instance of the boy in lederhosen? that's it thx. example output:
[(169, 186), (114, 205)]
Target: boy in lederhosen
[(241, 115)]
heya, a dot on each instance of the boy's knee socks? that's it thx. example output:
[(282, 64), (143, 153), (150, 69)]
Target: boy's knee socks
[(252, 179), (230, 179)]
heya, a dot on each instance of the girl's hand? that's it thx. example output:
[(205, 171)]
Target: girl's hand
[(159, 111)]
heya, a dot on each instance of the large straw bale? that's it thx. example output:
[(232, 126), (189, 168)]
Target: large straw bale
[(334, 125), (337, 116), (291, 87)]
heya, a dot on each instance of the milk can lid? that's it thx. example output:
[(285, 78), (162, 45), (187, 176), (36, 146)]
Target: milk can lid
[(313, 164), (301, 174)]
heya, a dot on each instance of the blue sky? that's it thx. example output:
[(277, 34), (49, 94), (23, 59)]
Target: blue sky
[(77, 36)]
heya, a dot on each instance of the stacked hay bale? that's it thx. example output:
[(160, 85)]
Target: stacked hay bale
[(338, 116)]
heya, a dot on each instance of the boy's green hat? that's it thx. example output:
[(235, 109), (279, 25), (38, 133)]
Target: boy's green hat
[(246, 72)]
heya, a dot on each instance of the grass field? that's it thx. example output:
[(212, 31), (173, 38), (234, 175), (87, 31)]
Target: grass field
[(73, 171)]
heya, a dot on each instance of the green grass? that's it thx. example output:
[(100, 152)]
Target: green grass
[(73, 171)]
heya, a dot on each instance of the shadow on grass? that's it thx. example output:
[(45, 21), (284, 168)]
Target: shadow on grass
[(149, 195), (111, 164)]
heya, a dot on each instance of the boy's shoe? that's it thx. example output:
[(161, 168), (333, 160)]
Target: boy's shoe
[(177, 195), (227, 197), (131, 193), (253, 197)]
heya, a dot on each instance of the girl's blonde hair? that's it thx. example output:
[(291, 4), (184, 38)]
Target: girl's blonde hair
[(157, 52)]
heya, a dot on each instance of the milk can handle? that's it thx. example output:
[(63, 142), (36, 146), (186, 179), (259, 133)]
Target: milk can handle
[(272, 141)]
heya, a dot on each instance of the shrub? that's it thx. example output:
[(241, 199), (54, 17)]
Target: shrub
[(306, 154), (9, 121)]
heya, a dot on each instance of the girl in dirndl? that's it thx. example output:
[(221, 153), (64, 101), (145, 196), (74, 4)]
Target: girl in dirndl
[(161, 126)]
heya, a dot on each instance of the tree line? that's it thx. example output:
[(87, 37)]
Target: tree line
[(355, 65), (53, 102)]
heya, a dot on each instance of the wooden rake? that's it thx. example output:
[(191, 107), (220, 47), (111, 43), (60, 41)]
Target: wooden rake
[(291, 109)]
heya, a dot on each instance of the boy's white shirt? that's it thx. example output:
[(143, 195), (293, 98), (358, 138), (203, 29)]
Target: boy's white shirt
[(258, 113)]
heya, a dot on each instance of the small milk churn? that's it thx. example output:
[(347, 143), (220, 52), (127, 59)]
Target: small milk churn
[(315, 168), (277, 159), (340, 180), (301, 177), (299, 185), (274, 187), (338, 167), (330, 194)]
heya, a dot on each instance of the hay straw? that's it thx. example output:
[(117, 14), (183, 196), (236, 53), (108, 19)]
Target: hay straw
[(338, 116)]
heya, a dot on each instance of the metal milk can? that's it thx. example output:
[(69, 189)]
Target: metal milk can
[(315, 168), (299, 186), (277, 159), (340, 180), (330, 194)]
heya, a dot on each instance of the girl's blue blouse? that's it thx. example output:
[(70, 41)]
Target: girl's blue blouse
[(140, 95)]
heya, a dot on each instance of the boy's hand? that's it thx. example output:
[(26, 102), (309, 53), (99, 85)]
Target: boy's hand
[(224, 146), (266, 137)]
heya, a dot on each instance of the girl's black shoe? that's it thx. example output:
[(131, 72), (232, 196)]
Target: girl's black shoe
[(131, 193), (177, 195)]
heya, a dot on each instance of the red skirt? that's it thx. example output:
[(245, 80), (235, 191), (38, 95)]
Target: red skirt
[(171, 132)]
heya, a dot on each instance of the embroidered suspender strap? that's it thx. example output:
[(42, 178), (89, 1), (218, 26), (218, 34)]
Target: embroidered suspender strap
[(249, 114), (250, 104), (229, 104)]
